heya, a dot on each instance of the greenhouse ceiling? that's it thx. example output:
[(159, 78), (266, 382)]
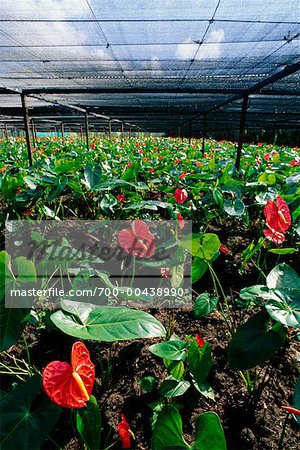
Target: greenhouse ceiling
[(159, 65)]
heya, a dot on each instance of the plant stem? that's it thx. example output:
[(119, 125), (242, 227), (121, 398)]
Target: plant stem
[(28, 354), (283, 432), (133, 271), (214, 278)]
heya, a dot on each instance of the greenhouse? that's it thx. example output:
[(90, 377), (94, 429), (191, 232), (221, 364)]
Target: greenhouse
[(150, 224)]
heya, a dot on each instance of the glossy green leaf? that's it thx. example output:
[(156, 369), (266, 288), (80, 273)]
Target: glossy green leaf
[(235, 208), (257, 291), (106, 323), (205, 389), (92, 176), (13, 320), (204, 304), (167, 433), (25, 422), (209, 433), (203, 246), (283, 251), (88, 423), (199, 268), (173, 350), (175, 368), (254, 343), (148, 383), (171, 387), (286, 279), (200, 361), (285, 312)]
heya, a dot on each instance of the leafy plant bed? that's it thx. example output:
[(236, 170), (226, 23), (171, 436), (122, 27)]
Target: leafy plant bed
[(247, 425), (124, 372)]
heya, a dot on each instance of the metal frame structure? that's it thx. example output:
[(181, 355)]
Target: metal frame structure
[(95, 75)]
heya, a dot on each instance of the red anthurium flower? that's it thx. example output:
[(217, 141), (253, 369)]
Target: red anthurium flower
[(180, 195), (138, 241), (129, 164), (291, 410), (151, 170), (278, 219), (125, 432), (200, 340), (180, 220), (267, 157), (121, 198), (28, 213), (70, 385), (224, 249), (18, 190), (277, 215)]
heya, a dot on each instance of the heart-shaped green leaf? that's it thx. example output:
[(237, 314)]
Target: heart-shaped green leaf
[(200, 361), (106, 323), (254, 343), (204, 304), (25, 423), (171, 387), (209, 433), (173, 350)]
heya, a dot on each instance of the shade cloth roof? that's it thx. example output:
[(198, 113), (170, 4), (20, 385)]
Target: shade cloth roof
[(156, 64)]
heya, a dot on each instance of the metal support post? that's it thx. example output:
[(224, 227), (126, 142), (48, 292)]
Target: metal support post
[(241, 132), (26, 127)]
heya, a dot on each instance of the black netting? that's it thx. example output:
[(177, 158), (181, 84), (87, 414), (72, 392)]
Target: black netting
[(156, 63)]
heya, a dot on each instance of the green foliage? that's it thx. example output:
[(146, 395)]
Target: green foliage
[(105, 323), (26, 422), (88, 424), (204, 304), (255, 342), (168, 432)]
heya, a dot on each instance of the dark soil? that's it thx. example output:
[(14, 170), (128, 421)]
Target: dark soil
[(248, 423)]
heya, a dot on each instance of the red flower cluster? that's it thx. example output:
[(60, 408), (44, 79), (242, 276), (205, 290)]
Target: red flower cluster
[(70, 385), (278, 220)]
